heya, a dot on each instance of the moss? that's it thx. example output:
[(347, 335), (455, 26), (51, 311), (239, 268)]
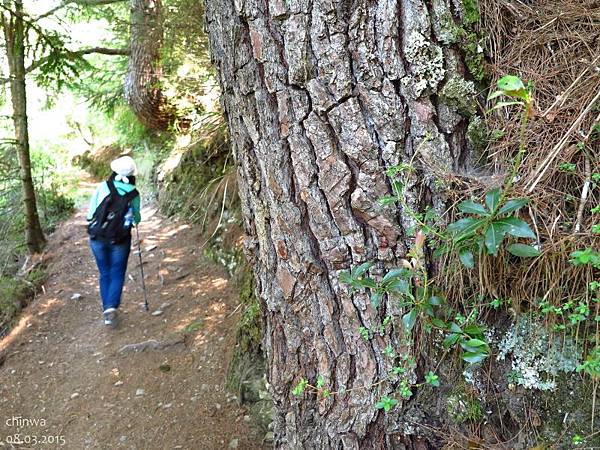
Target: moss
[(249, 328), (446, 30), (15, 294), (474, 58), (247, 361), (463, 407), (565, 411), (477, 134), (470, 12), (11, 292), (459, 94)]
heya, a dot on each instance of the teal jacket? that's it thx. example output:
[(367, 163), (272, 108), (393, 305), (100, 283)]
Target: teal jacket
[(122, 188)]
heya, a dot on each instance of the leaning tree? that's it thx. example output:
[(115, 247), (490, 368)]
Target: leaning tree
[(142, 83), (321, 98)]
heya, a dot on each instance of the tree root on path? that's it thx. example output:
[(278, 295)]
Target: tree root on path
[(153, 344)]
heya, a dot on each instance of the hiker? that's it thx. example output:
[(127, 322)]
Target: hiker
[(114, 208)]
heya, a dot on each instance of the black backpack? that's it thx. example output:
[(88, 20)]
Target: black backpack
[(108, 223)]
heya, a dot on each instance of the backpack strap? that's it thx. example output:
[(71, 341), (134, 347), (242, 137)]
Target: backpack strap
[(131, 195), (128, 196), (111, 186)]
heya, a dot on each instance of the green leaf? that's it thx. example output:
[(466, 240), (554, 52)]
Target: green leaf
[(395, 274), (464, 228), (450, 340), (299, 388), (510, 83), (320, 382), (376, 299), (474, 330), (368, 283), (493, 237), (472, 357), (387, 200), (476, 343), (513, 205), (399, 286), (455, 328), (438, 323), (473, 344), (435, 300), (504, 105), (516, 227), (345, 277), (524, 251), (409, 319), (471, 207), (492, 198), (495, 94), (398, 370), (362, 269), (466, 258)]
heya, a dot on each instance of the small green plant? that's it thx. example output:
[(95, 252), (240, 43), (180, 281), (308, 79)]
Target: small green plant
[(386, 403), (586, 256), (471, 340), (591, 365), (487, 226), (432, 379), (513, 87), (568, 167), (498, 302), (300, 387)]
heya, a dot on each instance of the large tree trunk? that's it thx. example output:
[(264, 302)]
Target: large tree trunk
[(321, 97), (14, 35), (142, 82)]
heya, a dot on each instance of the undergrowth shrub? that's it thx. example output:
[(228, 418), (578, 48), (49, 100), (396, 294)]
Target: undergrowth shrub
[(15, 292)]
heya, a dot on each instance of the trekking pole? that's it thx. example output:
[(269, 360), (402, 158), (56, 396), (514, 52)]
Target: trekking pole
[(141, 268)]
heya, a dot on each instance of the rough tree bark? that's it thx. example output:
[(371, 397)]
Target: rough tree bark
[(14, 34), (321, 96), (142, 82)]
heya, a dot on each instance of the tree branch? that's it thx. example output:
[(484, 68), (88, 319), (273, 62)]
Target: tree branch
[(86, 51), (103, 51), (78, 2)]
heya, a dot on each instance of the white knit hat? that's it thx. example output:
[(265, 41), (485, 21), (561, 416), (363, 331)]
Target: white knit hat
[(123, 167)]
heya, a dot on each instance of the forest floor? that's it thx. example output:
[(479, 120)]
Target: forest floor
[(66, 377)]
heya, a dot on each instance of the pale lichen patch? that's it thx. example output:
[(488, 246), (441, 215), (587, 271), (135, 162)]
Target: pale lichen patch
[(426, 65), (536, 356), (459, 94)]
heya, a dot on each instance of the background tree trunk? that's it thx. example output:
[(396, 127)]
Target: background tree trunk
[(142, 82), (14, 35), (321, 97)]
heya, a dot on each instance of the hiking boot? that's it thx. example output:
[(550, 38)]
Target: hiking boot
[(110, 317)]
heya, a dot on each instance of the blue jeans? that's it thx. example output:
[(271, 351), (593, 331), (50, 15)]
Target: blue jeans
[(112, 264)]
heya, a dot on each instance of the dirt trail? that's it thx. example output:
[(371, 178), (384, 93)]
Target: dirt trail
[(65, 379)]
